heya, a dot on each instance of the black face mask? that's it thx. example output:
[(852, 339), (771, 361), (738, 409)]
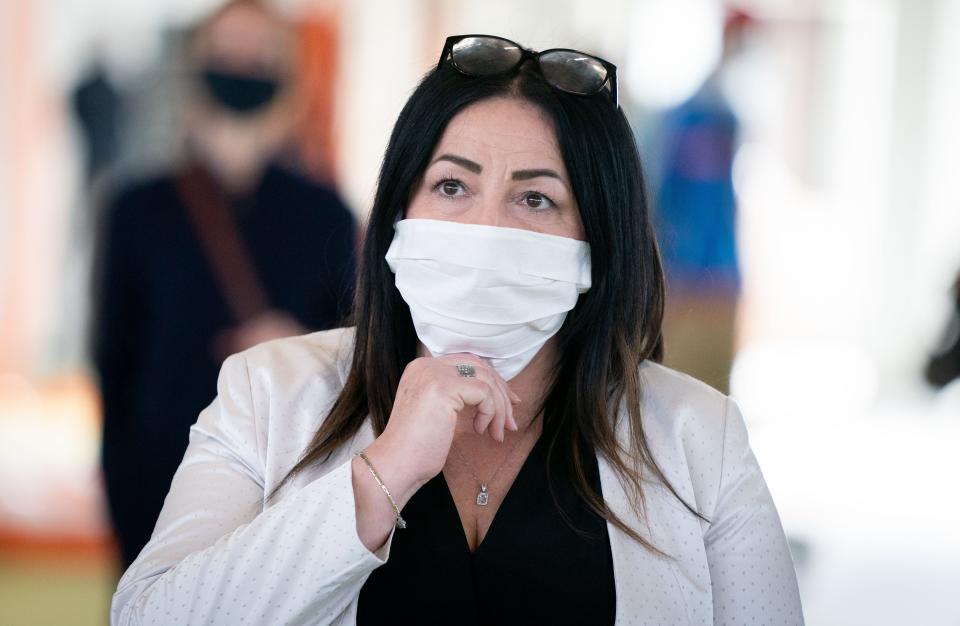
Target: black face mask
[(240, 93)]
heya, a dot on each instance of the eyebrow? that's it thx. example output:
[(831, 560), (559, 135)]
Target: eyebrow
[(528, 174), (476, 168)]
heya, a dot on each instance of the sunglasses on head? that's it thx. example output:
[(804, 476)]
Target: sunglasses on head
[(570, 71)]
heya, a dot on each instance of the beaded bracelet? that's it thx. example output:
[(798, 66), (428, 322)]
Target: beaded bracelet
[(400, 523)]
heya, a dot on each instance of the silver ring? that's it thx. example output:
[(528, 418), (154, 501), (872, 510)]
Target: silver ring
[(467, 371)]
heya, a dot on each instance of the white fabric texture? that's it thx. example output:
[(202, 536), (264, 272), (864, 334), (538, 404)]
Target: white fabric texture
[(219, 556), (495, 292)]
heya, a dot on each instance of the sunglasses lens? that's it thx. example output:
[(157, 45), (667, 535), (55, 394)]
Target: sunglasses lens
[(483, 56), (573, 71)]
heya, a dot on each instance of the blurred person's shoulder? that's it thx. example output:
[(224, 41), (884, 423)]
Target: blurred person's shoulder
[(295, 191), (143, 187), (141, 199)]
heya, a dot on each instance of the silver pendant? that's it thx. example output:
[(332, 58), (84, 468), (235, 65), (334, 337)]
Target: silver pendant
[(483, 497)]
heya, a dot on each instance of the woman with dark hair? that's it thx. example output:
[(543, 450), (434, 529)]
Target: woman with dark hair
[(499, 399)]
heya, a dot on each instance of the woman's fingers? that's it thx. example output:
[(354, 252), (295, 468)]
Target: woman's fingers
[(481, 394), (483, 421), (431, 397), (513, 399), (498, 426), (494, 422), (509, 398), (501, 396)]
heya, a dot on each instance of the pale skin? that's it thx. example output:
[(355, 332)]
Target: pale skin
[(498, 164)]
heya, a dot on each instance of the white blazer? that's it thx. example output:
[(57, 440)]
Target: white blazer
[(220, 555)]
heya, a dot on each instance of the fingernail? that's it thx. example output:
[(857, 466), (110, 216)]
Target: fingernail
[(513, 425)]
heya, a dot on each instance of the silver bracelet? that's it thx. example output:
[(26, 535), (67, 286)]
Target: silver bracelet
[(400, 523)]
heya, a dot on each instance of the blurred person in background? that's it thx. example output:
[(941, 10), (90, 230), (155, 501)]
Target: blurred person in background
[(696, 222), (500, 400), (943, 366), (96, 103), (229, 250)]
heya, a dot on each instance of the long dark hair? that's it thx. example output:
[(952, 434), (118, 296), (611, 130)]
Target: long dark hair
[(614, 327)]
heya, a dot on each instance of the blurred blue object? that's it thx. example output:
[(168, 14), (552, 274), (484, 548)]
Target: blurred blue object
[(695, 200)]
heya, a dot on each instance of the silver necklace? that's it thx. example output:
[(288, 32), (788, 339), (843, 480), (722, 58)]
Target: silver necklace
[(483, 496)]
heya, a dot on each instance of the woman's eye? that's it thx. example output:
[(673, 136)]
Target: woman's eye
[(534, 200), (450, 188)]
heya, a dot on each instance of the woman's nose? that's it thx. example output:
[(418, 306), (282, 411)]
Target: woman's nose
[(488, 212)]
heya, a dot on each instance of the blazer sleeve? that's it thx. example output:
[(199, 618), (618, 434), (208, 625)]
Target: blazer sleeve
[(216, 557), (750, 565)]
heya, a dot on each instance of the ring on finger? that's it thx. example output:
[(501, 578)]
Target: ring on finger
[(466, 371)]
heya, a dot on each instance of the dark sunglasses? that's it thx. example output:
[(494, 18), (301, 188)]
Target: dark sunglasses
[(570, 71)]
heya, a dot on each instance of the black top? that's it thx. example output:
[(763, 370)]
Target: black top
[(531, 568), (159, 307)]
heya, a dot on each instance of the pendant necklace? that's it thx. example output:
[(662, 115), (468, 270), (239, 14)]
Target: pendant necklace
[(483, 496)]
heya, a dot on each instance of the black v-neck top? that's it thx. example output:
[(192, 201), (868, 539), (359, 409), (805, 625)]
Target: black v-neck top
[(530, 568)]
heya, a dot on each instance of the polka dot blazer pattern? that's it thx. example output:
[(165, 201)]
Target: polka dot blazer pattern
[(221, 555)]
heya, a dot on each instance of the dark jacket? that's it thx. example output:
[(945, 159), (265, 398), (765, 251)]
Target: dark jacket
[(158, 308)]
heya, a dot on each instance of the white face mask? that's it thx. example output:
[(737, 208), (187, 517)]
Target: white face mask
[(498, 293)]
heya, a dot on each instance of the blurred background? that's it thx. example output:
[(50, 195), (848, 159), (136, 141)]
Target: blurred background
[(801, 155)]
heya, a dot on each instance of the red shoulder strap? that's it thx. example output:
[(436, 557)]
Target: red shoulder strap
[(216, 229)]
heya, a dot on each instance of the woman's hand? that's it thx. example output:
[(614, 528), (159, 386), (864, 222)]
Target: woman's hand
[(431, 398)]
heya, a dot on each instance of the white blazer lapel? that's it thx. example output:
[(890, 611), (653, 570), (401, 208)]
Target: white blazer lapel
[(652, 589), (647, 585)]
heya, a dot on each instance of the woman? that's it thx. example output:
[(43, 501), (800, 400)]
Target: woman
[(502, 384)]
